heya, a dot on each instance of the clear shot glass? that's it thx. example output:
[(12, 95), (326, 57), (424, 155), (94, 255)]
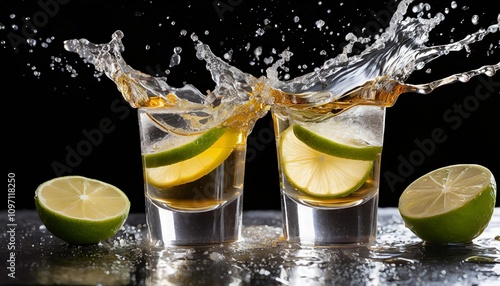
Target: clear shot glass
[(329, 168), (193, 181)]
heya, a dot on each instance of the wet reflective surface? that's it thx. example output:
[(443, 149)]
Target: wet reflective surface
[(398, 258)]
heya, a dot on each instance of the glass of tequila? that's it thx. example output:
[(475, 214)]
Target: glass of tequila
[(193, 181), (329, 166)]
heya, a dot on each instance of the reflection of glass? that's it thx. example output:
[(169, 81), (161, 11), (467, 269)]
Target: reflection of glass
[(191, 267), (330, 189), (327, 266)]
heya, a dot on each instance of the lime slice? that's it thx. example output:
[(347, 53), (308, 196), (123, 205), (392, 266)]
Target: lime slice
[(317, 173), (196, 167), (80, 210), (185, 151), (348, 148), (453, 204)]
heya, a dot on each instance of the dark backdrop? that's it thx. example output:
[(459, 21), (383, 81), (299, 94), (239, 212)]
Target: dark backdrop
[(51, 99)]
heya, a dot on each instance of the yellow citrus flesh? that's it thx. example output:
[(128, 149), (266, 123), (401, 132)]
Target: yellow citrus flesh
[(196, 167), (80, 210), (453, 204), (317, 173)]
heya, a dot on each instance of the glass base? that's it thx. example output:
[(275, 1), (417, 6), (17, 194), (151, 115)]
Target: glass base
[(329, 227), (168, 227)]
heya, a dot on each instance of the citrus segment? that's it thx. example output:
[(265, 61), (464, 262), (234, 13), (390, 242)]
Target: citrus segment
[(171, 156), (317, 173), (196, 167), (348, 148), (80, 210), (453, 204)]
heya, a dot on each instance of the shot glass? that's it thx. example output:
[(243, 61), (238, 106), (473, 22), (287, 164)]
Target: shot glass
[(193, 181), (329, 168)]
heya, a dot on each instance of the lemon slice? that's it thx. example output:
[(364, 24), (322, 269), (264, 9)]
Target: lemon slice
[(453, 204), (348, 148), (80, 210), (317, 173), (196, 146), (195, 167)]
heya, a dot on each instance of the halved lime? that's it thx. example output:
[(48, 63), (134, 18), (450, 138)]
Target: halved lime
[(317, 173), (344, 147), (199, 144), (80, 210), (453, 204), (195, 167)]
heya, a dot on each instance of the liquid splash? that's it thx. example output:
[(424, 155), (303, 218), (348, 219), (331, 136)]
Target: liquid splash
[(228, 104), (374, 77), (377, 75)]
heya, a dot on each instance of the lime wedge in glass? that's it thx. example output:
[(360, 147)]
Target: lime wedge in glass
[(208, 156), (317, 173), (343, 147)]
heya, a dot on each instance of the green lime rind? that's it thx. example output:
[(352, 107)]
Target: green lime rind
[(461, 225), (327, 146), (81, 232), (184, 152)]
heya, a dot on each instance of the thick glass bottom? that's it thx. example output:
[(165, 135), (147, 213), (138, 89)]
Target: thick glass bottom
[(329, 227), (168, 227)]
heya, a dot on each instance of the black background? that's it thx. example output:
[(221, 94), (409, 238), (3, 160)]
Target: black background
[(47, 111)]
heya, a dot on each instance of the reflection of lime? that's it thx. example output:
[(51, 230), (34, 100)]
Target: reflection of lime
[(348, 148), (317, 173), (80, 210), (196, 167), (171, 156), (97, 274), (453, 204)]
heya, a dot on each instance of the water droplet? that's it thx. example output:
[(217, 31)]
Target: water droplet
[(257, 52), (260, 32), (482, 259), (399, 261), (320, 24), (475, 19), (268, 60), (296, 19), (174, 60), (31, 42), (229, 55)]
